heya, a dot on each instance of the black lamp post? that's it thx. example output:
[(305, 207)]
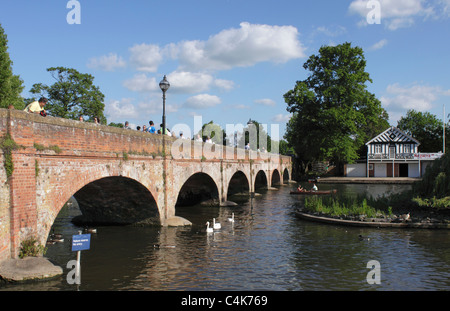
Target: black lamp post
[(164, 85)]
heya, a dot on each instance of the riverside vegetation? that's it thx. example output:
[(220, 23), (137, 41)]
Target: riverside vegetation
[(428, 201)]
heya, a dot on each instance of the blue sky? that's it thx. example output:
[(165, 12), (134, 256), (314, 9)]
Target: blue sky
[(229, 60)]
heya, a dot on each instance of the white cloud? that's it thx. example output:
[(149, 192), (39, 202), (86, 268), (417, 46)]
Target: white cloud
[(332, 31), (202, 101), (141, 83), (120, 109), (151, 108), (394, 14), (181, 82), (380, 44), (266, 102), (418, 97), (224, 84), (243, 47), (281, 118), (189, 82), (241, 107), (108, 62), (146, 57), (445, 7)]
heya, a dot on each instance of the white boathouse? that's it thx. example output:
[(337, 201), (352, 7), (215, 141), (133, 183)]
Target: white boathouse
[(392, 153)]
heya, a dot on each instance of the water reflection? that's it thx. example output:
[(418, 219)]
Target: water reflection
[(267, 248)]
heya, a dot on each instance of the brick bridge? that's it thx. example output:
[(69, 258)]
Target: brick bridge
[(117, 176)]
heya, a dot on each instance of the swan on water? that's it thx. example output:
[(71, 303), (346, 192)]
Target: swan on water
[(208, 228), (232, 218), (216, 225)]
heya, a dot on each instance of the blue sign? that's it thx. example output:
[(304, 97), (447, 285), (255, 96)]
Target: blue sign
[(81, 242)]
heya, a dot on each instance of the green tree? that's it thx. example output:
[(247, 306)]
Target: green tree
[(254, 141), (426, 128), (213, 131), (72, 95), (285, 148), (11, 85), (333, 112), (120, 125)]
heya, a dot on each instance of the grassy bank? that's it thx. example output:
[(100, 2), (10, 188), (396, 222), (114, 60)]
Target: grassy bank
[(345, 206)]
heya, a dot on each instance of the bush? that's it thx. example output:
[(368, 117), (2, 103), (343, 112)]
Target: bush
[(31, 248), (433, 202), (436, 180)]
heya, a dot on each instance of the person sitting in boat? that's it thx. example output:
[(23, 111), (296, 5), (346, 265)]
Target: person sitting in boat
[(314, 188), (300, 188)]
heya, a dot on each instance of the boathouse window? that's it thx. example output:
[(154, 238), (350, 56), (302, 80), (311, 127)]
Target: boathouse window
[(377, 148), (407, 148)]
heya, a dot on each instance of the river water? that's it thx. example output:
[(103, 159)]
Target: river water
[(266, 248)]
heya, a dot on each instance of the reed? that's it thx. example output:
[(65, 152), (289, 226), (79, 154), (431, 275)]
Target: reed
[(343, 206)]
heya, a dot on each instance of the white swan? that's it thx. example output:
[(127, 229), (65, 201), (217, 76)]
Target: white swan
[(232, 218), (216, 225), (208, 228)]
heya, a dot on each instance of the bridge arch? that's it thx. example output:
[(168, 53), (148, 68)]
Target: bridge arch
[(117, 200), (85, 185), (276, 178), (238, 184), (261, 181), (286, 176), (198, 188)]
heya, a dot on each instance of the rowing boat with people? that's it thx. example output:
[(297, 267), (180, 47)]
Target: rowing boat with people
[(312, 192)]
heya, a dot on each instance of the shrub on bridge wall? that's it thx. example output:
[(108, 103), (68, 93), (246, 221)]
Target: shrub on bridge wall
[(40, 147), (30, 247), (7, 144)]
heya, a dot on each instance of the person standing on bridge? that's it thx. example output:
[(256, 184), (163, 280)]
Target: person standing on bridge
[(37, 106), (151, 128), (165, 131)]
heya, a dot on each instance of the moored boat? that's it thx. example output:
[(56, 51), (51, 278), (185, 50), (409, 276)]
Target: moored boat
[(312, 192)]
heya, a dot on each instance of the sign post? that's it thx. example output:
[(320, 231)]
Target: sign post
[(80, 243)]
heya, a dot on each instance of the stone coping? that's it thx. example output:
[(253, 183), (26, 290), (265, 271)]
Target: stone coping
[(374, 224)]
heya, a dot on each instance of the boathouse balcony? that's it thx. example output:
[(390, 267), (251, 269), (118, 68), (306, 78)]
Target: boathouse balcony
[(396, 156)]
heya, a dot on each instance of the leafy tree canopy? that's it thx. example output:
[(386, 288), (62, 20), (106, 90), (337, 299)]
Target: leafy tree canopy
[(213, 131), (72, 95), (426, 128), (252, 134), (11, 85), (333, 112)]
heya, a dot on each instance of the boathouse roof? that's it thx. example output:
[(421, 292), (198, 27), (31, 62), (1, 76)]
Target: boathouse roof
[(393, 135)]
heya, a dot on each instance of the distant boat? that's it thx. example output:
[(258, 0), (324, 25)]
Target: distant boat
[(314, 180), (311, 192)]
